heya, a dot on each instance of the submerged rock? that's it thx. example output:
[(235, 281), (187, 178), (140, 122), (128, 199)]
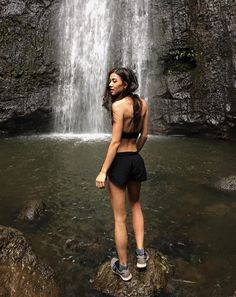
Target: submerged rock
[(22, 274), (33, 212), (86, 251), (227, 183), (218, 209), (145, 283)]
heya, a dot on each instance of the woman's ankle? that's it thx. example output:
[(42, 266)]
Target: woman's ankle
[(122, 266), (140, 251)]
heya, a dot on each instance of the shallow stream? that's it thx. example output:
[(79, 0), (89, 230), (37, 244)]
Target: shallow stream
[(186, 216)]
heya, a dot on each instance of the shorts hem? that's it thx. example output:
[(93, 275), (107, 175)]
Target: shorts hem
[(125, 184), (116, 183)]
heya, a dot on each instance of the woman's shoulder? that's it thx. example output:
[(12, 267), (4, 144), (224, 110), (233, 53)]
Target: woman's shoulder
[(118, 107), (144, 103), (120, 103), (127, 101), (117, 104)]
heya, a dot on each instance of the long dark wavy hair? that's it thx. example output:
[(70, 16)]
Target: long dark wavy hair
[(128, 76)]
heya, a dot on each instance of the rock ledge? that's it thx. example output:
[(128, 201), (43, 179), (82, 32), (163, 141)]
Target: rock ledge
[(145, 283)]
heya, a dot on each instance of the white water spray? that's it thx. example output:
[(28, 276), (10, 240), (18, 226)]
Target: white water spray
[(96, 35), (135, 42)]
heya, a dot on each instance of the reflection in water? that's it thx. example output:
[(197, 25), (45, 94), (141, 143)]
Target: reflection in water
[(187, 218)]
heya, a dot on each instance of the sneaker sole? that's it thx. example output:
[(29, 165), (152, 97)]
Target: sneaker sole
[(126, 279), (141, 265)]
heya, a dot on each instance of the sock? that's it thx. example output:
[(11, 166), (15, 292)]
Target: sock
[(122, 267), (140, 252)]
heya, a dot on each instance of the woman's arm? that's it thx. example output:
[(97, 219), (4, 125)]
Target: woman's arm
[(144, 132), (117, 127)]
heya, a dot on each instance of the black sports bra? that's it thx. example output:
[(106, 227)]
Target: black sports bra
[(130, 135)]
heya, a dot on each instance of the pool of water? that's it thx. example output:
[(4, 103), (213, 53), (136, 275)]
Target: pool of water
[(186, 217)]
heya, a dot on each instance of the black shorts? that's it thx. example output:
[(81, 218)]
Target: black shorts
[(127, 166)]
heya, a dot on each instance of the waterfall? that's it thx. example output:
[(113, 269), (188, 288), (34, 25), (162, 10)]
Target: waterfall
[(135, 41), (96, 35)]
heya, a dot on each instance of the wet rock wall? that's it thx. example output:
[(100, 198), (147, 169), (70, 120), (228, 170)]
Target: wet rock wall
[(28, 67), (198, 94)]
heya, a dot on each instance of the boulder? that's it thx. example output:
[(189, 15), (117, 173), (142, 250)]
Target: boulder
[(22, 274), (145, 283), (227, 183), (33, 212)]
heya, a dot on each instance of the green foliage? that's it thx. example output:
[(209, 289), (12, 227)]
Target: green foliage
[(181, 54), (181, 59)]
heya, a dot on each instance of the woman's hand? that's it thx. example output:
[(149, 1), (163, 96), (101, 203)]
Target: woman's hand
[(101, 180)]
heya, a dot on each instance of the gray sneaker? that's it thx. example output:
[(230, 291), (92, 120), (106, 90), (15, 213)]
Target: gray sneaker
[(142, 259), (124, 274)]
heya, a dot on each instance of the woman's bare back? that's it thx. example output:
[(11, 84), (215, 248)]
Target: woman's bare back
[(126, 104)]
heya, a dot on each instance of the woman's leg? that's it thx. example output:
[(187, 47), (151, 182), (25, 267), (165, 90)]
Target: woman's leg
[(117, 196), (137, 214)]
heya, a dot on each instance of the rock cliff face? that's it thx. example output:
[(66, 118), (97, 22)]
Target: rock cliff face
[(28, 70), (192, 67), (198, 56)]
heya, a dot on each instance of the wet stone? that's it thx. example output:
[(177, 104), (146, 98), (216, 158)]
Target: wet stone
[(21, 272), (218, 209), (15, 7), (144, 283), (33, 212), (89, 253), (227, 183)]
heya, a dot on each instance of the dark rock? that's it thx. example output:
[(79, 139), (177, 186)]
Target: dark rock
[(218, 209), (178, 84), (33, 212), (15, 7), (22, 274), (227, 184), (194, 39), (28, 66), (85, 251), (75, 245), (149, 282)]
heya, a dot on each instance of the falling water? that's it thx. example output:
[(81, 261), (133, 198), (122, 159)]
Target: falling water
[(96, 35), (135, 43)]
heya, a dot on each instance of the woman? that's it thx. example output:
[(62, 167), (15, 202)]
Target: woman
[(123, 165)]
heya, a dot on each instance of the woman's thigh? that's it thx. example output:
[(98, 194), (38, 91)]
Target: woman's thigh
[(134, 188), (117, 196)]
